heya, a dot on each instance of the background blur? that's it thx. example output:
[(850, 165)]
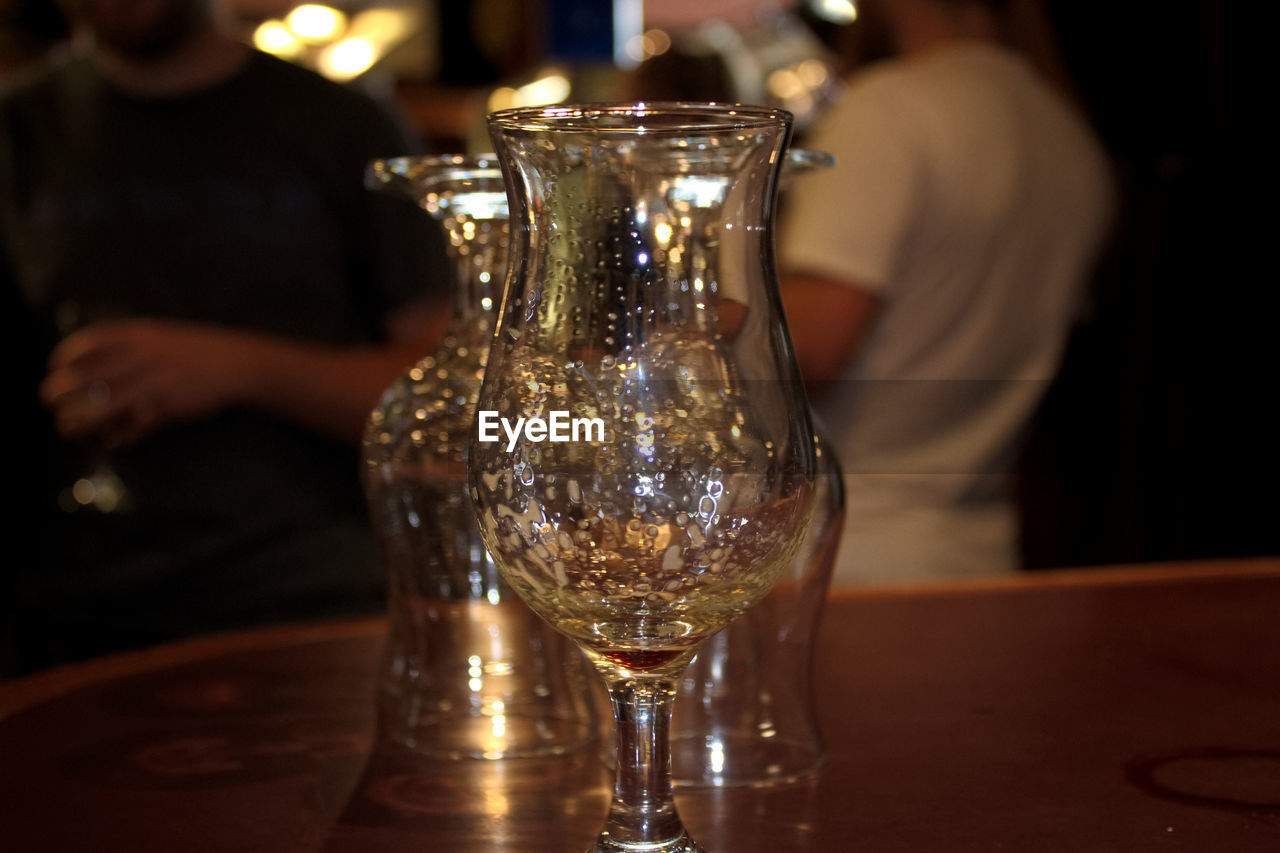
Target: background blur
[(1157, 441)]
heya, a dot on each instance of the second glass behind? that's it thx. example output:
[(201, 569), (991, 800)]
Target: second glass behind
[(745, 715), (468, 670)]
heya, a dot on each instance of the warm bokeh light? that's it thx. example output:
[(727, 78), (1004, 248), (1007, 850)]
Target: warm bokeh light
[(370, 36), (799, 87), (835, 11), (275, 38), (314, 22), (657, 42), (502, 98), (635, 49), (813, 73), (652, 43), (384, 26), (346, 59), (785, 83), (551, 87)]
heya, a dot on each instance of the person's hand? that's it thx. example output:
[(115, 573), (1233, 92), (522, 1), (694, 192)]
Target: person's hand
[(117, 382)]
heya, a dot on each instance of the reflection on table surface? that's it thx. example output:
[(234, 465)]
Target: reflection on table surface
[(1120, 710)]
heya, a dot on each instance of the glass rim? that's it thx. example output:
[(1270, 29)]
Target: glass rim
[(404, 163), (385, 171), (674, 116)]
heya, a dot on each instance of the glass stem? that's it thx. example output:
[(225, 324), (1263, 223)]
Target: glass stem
[(643, 814)]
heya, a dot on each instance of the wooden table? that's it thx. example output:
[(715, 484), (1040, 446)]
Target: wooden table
[(1119, 710)]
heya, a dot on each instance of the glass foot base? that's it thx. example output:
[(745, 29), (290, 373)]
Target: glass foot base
[(681, 844)]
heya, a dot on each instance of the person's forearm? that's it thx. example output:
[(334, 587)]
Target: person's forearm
[(328, 390), (828, 321)]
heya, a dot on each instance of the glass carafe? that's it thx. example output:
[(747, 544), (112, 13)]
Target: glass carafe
[(468, 670), (746, 715)]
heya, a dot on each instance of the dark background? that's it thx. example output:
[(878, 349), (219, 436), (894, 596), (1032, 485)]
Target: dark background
[(1158, 440)]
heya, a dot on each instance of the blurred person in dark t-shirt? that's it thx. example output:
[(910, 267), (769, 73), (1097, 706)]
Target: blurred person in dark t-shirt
[(206, 297)]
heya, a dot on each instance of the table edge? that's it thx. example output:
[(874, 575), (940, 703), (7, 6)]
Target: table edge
[(19, 694), (1131, 574)]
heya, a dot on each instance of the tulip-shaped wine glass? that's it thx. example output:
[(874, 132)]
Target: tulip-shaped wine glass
[(643, 465)]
